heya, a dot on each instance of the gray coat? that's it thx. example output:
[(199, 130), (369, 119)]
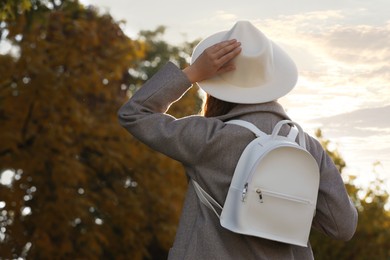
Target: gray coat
[(209, 150)]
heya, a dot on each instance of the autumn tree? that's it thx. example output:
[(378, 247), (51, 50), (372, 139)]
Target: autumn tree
[(59, 132), (9, 9), (81, 186), (371, 240)]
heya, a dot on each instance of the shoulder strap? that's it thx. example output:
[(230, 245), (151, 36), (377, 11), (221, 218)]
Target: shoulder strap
[(292, 135), (249, 126), (205, 198)]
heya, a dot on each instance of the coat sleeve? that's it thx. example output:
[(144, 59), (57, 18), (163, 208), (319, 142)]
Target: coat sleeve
[(144, 117), (336, 216)]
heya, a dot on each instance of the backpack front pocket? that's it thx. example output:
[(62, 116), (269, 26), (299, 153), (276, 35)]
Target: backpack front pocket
[(262, 194)]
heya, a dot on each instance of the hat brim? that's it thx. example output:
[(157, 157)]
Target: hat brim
[(283, 80)]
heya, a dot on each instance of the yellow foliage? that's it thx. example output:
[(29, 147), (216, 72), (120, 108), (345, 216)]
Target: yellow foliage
[(93, 190), (58, 103)]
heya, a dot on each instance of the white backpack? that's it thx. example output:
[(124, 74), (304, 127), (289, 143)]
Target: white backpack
[(273, 193)]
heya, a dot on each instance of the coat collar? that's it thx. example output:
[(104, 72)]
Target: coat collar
[(242, 110)]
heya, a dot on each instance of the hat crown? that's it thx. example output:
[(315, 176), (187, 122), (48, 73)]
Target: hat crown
[(254, 65), (264, 72)]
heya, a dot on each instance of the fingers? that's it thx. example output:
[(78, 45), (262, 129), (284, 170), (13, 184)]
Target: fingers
[(225, 51), (230, 52), (216, 59), (225, 47)]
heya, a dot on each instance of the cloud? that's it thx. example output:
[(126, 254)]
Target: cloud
[(362, 122), (342, 66), (326, 35), (363, 44)]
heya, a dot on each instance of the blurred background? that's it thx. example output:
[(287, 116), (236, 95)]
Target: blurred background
[(75, 185)]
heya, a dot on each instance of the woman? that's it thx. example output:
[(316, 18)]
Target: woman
[(243, 78)]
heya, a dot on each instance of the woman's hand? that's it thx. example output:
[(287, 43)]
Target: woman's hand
[(214, 60)]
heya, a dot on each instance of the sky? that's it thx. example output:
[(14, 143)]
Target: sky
[(341, 48)]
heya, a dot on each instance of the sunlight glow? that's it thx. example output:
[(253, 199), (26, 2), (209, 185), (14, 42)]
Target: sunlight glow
[(6, 177), (26, 211)]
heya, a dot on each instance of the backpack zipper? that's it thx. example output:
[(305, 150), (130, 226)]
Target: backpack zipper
[(262, 192), (244, 192), (258, 191)]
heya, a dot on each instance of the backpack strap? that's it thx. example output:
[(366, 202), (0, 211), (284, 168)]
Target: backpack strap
[(249, 126), (292, 135), (205, 198), (296, 130)]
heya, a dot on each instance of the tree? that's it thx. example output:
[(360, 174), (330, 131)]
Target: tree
[(82, 186), (373, 233), (61, 138), (11, 8)]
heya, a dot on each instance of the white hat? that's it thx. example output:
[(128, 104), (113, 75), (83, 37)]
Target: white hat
[(264, 72)]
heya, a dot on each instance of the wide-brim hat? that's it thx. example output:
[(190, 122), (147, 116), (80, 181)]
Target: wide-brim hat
[(264, 72)]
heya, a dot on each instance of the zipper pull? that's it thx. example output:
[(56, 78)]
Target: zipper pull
[(244, 192), (258, 191)]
